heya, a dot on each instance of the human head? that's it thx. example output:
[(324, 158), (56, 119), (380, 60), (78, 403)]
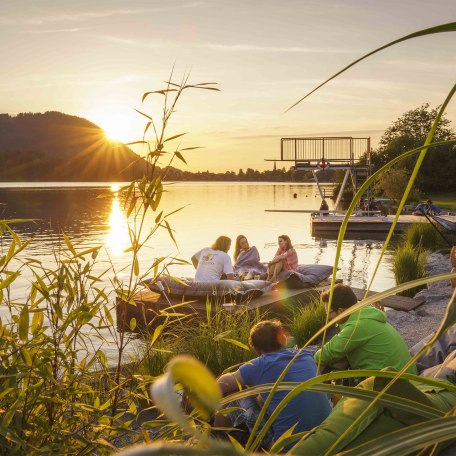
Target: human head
[(268, 336), (343, 297), (429, 202), (287, 240), (241, 244), (222, 243)]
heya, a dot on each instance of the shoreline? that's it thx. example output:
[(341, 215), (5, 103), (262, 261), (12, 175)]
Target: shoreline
[(419, 323)]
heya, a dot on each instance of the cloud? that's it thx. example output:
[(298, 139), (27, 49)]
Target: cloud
[(288, 49), (68, 30), (40, 20)]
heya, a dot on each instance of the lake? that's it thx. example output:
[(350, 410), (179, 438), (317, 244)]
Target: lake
[(209, 209)]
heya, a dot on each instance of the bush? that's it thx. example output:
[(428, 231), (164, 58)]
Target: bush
[(408, 264), (424, 236), (305, 321)]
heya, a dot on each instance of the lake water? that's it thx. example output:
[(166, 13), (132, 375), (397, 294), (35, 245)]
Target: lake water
[(210, 209)]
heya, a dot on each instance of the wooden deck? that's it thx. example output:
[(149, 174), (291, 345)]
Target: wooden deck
[(151, 308), (374, 224)]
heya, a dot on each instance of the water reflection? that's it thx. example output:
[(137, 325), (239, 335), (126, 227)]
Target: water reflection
[(117, 240)]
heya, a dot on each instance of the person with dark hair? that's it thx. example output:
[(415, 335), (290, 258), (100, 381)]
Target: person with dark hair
[(246, 258), (366, 340), (306, 410), (285, 259), (212, 262), (324, 208), (432, 208)]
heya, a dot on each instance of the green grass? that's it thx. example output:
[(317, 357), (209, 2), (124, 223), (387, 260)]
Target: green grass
[(305, 321), (424, 236), (408, 265)]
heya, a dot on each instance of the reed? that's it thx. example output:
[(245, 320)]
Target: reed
[(424, 236), (408, 265)]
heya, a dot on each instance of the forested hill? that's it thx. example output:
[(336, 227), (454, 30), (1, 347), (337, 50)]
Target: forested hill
[(58, 147)]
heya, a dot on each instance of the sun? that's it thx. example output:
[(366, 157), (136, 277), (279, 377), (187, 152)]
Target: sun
[(118, 125)]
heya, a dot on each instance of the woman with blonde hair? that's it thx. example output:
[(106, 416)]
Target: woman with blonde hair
[(285, 259), (211, 263), (246, 258)]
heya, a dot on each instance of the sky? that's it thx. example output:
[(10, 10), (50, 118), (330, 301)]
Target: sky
[(96, 58)]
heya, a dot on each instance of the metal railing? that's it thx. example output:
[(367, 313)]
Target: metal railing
[(337, 150)]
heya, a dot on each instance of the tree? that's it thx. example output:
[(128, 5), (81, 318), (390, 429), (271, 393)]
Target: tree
[(410, 131), (392, 184)]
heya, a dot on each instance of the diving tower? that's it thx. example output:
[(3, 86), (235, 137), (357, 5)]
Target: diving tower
[(320, 154)]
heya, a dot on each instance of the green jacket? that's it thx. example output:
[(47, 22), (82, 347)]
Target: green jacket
[(367, 341)]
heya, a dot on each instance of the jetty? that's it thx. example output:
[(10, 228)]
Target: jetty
[(152, 309)]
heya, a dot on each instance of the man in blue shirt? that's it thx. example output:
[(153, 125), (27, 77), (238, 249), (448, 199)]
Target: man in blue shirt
[(306, 410)]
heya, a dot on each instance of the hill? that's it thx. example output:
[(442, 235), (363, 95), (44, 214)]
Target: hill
[(53, 146)]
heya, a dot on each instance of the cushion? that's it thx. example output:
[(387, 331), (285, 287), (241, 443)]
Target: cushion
[(232, 289), (308, 275)]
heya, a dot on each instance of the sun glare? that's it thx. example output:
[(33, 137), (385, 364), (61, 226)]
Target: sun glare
[(117, 239), (117, 125)]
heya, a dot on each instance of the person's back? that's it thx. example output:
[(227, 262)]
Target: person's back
[(212, 264), (370, 342), (307, 409), (366, 340)]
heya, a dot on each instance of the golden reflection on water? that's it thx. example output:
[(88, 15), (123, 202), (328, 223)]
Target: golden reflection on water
[(117, 240)]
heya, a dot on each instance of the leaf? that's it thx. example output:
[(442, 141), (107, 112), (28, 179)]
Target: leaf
[(24, 323), (26, 357), (449, 27), (180, 157), (159, 216), (136, 266), (132, 324), (161, 92), (9, 280), (69, 244), (143, 114), (174, 137), (415, 437), (192, 148)]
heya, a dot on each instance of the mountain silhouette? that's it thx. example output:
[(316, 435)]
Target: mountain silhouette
[(53, 146)]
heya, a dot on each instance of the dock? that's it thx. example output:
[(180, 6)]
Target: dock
[(152, 309), (322, 225)]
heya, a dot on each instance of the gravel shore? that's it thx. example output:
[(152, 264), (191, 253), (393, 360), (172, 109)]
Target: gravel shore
[(424, 320)]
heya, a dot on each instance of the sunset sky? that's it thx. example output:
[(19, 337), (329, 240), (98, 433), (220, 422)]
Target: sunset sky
[(96, 58)]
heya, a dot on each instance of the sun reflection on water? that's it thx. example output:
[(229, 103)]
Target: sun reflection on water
[(117, 240)]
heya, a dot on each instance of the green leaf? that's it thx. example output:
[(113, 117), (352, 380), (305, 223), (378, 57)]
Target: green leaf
[(133, 324), (409, 439), (136, 266), (9, 280), (26, 357), (24, 323), (449, 27), (69, 244)]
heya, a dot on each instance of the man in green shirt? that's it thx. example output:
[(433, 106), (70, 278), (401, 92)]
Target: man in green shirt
[(365, 341)]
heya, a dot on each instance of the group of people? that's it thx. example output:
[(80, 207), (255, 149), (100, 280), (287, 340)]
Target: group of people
[(427, 208), (213, 263), (365, 341)]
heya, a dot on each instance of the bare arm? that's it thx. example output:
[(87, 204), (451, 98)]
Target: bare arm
[(230, 383)]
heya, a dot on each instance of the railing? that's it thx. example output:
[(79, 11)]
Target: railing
[(343, 150)]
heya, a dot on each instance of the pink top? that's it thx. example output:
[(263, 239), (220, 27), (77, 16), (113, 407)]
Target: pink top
[(290, 258)]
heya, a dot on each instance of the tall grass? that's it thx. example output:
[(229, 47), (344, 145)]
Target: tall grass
[(424, 236), (408, 265), (305, 321)]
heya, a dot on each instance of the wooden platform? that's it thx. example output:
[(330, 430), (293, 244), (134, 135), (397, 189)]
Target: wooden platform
[(362, 224), (152, 309)]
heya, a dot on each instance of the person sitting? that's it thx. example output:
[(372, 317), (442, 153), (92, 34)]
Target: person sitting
[(246, 258), (285, 259), (433, 209), (213, 262), (365, 341), (324, 207), (306, 410)]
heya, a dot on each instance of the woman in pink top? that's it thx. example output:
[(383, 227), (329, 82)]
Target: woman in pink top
[(285, 259)]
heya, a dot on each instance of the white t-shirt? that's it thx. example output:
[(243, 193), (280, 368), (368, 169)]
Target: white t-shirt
[(212, 264)]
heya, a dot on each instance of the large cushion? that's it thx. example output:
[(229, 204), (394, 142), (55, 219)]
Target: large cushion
[(232, 289), (308, 275)]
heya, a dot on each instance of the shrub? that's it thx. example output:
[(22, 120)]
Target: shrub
[(424, 236), (408, 265), (305, 321)]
